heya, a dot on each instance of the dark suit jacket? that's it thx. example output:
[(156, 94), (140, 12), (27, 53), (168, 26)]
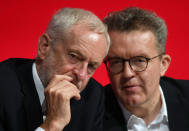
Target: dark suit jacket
[(20, 109), (176, 93)]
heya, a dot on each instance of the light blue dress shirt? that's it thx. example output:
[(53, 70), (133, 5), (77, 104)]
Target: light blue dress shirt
[(40, 90)]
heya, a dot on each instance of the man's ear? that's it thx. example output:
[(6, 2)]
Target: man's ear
[(165, 62), (43, 46)]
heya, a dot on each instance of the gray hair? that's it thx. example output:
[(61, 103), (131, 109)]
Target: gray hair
[(62, 22), (134, 18)]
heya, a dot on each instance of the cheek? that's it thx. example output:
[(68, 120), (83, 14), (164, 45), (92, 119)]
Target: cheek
[(85, 81), (64, 69), (62, 66), (150, 79), (115, 80)]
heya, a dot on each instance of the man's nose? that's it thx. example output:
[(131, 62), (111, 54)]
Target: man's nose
[(127, 70), (81, 71)]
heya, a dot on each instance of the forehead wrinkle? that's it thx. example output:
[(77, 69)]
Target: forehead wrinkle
[(116, 51), (123, 45), (86, 40), (82, 50)]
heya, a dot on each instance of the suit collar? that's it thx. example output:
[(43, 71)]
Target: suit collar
[(38, 84)]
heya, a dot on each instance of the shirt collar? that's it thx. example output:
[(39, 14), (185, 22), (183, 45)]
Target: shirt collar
[(38, 84), (163, 110), (160, 117)]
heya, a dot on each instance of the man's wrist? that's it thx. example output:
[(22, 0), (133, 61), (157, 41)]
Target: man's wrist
[(39, 129), (52, 125)]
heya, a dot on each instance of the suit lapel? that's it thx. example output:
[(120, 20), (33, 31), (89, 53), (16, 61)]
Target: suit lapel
[(31, 102), (113, 120), (177, 117)]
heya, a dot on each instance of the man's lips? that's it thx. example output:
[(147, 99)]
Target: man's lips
[(131, 88)]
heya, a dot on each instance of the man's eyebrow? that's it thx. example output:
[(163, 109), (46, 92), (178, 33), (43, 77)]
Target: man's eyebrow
[(118, 57), (94, 63), (83, 57), (78, 53), (114, 57)]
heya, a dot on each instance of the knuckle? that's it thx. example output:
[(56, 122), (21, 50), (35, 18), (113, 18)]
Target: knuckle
[(55, 77), (63, 96), (50, 91), (66, 98)]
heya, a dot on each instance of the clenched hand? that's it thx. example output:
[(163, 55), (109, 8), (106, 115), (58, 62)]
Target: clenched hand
[(58, 94)]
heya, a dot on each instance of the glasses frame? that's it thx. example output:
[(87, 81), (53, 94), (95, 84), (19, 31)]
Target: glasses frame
[(129, 61)]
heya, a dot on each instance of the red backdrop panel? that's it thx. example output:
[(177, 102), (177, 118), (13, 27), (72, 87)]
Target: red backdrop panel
[(22, 22)]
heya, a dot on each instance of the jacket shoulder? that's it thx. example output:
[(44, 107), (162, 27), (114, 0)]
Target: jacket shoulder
[(178, 86), (9, 77), (14, 62)]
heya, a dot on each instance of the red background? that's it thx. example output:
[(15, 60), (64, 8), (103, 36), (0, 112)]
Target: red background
[(23, 21)]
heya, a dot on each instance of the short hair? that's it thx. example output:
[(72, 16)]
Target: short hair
[(134, 18), (61, 23)]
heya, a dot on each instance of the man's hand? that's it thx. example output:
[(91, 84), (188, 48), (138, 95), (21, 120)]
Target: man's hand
[(58, 94)]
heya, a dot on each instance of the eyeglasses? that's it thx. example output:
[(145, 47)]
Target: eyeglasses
[(137, 63)]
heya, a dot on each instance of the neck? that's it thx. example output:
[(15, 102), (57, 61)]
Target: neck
[(148, 110), (39, 68)]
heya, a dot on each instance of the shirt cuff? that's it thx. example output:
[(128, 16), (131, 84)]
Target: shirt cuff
[(39, 129)]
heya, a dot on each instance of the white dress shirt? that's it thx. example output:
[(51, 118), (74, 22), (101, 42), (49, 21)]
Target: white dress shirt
[(160, 123)]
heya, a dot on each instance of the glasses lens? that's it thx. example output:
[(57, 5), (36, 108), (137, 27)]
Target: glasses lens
[(138, 63), (114, 65)]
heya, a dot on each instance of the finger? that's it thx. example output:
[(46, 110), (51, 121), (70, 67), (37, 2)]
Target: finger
[(73, 91), (59, 84), (70, 90), (77, 96), (57, 78), (63, 89), (79, 85)]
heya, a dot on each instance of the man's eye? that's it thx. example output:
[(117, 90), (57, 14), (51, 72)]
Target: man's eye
[(140, 60), (73, 58), (91, 68), (73, 55), (115, 62)]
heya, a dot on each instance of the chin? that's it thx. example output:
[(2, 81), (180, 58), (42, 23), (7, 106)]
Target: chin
[(134, 101)]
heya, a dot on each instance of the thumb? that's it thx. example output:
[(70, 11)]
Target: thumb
[(77, 96)]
